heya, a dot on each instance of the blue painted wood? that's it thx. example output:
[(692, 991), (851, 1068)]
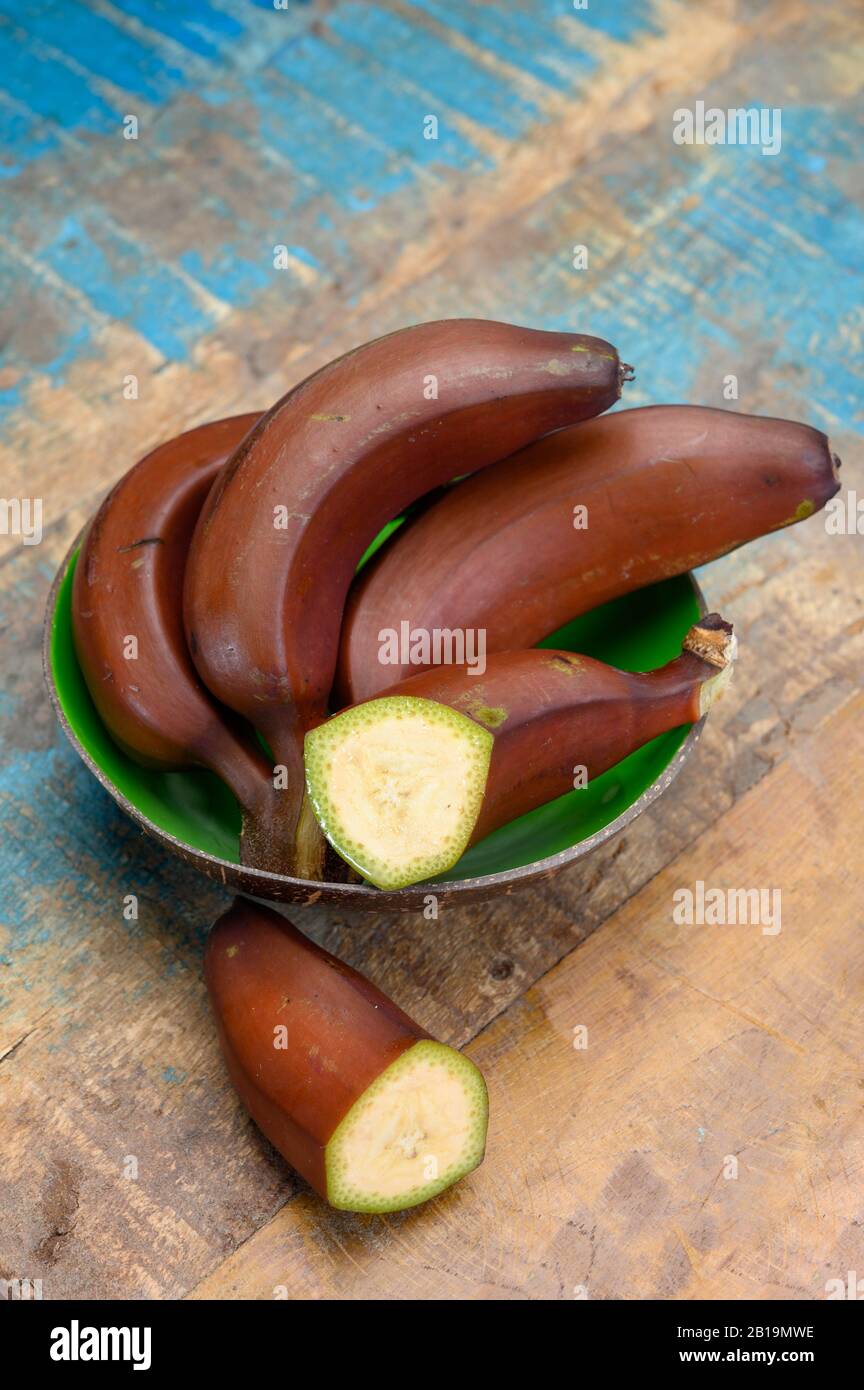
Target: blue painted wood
[(338, 98), (535, 39), (79, 36)]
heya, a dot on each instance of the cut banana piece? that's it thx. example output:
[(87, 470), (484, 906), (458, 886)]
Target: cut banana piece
[(397, 785), (405, 783), (418, 1128), (370, 1110)]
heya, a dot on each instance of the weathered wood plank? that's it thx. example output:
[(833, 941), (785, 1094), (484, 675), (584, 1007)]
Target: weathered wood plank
[(118, 1056), (203, 223), (709, 1140)]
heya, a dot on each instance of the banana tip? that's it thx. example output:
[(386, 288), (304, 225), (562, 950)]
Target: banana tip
[(712, 639)]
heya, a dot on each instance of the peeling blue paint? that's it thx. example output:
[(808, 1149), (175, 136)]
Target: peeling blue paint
[(324, 144), (124, 284), (437, 69), (228, 274), (385, 110), (70, 341), (617, 19), (341, 106), (99, 46), (50, 89), (537, 38), (24, 137), (301, 254), (197, 25)]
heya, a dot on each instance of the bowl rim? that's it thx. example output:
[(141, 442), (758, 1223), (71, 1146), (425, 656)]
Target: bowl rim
[(282, 887)]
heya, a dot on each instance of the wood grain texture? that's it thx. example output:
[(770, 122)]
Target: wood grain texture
[(155, 258), (708, 1142), (178, 227)]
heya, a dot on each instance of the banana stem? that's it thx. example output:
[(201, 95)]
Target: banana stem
[(268, 816), (267, 834), (686, 688), (309, 843), (290, 840)]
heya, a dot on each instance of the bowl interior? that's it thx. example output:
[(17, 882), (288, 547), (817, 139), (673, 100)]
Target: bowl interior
[(636, 632)]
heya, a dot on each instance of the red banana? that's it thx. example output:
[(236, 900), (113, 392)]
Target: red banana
[(127, 616), (404, 783), (665, 488), (367, 1107), (291, 514)]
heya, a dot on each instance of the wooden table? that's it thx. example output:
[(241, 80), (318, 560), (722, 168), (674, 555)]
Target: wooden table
[(708, 1142)]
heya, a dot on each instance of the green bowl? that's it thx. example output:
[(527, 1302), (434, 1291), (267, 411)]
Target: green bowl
[(194, 814)]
